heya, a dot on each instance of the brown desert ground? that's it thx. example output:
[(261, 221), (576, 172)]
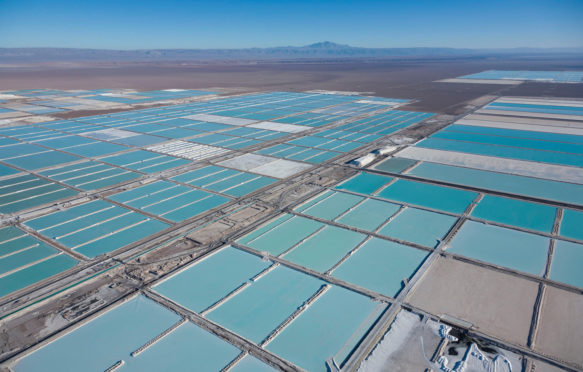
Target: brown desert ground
[(412, 78)]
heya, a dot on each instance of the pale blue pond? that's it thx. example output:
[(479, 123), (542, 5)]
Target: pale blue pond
[(251, 364), (333, 205), (323, 250), (567, 262), (501, 246), (515, 212), (381, 266), (208, 281), (102, 342), (365, 183), (572, 224), (370, 214), (426, 195), (315, 200), (329, 327), (263, 229), (285, 235), (260, 308), (419, 226), (186, 347)]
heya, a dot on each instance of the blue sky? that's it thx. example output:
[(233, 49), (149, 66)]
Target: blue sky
[(131, 24)]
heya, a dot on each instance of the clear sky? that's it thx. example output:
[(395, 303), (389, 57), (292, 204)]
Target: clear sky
[(146, 24)]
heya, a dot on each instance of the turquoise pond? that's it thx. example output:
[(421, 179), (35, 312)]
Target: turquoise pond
[(515, 212), (90, 175), (364, 183), (25, 260), (503, 151), (520, 139), (96, 227), (446, 199), (535, 187), (28, 191), (145, 161), (224, 180), (514, 249), (572, 224), (169, 200)]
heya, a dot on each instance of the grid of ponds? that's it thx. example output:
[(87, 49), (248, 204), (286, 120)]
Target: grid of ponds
[(502, 231), (119, 335), (538, 107), (542, 161), (53, 161), (24, 191), (173, 202), (339, 233), (96, 227), (25, 260), (226, 181), (561, 149), (544, 76), (263, 302), (281, 307)]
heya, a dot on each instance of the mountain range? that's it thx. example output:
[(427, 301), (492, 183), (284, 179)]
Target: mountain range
[(321, 50)]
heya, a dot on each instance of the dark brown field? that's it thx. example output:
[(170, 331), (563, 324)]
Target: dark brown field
[(397, 78)]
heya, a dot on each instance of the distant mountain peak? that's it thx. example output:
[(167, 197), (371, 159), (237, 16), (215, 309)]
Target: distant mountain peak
[(327, 45)]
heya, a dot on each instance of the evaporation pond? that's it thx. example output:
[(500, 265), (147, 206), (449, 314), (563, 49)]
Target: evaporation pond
[(438, 197), (283, 236), (567, 263), (330, 327), (185, 347), (369, 215), (381, 266), (260, 308), (365, 183), (209, 280), (419, 226), (333, 205), (110, 337), (324, 249), (572, 224), (395, 165), (501, 246), (250, 364), (516, 212)]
